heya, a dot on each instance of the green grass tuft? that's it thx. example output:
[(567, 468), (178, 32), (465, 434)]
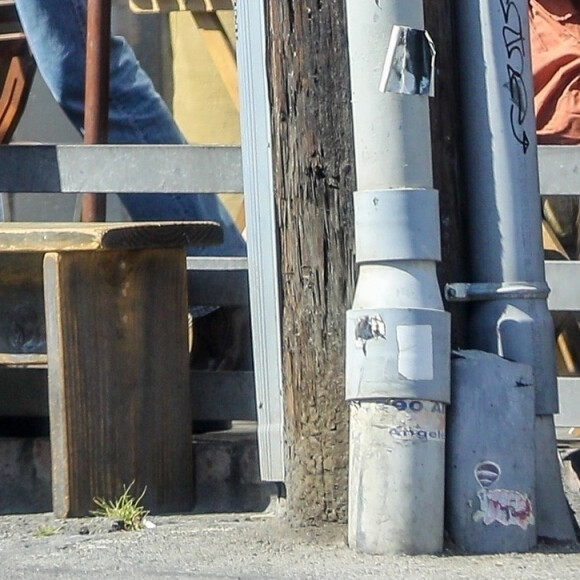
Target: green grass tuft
[(126, 509), (47, 530)]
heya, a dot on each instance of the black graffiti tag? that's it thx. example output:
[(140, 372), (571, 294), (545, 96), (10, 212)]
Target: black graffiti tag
[(513, 37)]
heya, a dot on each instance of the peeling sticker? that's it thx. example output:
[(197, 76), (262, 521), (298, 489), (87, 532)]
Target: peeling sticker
[(410, 63), (415, 345), (507, 507), (414, 420), (369, 328)]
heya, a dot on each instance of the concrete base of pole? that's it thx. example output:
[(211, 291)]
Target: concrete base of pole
[(396, 479), (553, 517), (490, 487)]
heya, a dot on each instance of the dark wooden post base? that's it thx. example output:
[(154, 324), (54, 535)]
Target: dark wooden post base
[(119, 397)]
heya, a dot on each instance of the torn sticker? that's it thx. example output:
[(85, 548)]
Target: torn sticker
[(410, 63), (369, 328)]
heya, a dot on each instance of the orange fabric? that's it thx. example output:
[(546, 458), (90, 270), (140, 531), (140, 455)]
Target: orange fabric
[(555, 40)]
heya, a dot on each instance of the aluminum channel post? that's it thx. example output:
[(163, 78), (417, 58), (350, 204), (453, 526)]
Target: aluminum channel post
[(397, 345), (501, 176)]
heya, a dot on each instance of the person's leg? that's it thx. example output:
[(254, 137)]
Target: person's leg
[(56, 31)]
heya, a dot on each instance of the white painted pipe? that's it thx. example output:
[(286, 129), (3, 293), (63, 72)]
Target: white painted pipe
[(397, 351), (389, 154)]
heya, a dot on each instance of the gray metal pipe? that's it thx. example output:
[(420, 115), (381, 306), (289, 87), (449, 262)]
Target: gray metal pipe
[(397, 336), (490, 485), (391, 155), (501, 177)]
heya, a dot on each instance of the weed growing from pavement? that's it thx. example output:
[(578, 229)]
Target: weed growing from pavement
[(126, 509), (48, 530)]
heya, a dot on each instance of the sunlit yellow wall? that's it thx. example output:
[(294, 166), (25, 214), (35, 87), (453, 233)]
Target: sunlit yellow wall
[(201, 105)]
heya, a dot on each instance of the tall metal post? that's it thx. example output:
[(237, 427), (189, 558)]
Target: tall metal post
[(93, 206), (262, 251), (509, 315), (397, 350)]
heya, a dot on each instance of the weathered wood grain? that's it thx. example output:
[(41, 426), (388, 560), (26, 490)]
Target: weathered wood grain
[(446, 145), (313, 159), (53, 237), (119, 397)]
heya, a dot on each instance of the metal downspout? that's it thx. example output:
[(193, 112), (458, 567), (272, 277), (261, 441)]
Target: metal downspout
[(509, 315), (397, 333)]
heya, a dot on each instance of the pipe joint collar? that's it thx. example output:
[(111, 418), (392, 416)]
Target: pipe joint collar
[(398, 353)]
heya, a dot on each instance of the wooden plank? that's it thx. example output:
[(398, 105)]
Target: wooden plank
[(46, 237), (566, 354), (551, 243), (211, 281), (23, 360), (118, 378)]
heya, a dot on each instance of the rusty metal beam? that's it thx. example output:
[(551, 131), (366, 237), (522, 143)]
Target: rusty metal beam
[(97, 93)]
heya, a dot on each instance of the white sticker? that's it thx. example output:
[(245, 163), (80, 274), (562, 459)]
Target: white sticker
[(415, 352)]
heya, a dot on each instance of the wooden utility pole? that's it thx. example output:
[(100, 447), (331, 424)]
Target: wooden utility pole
[(445, 127), (313, 160)]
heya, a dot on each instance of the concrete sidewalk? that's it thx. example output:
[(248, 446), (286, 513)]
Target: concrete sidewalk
[(247, 546)]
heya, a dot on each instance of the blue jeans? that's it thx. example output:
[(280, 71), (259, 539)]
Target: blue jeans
[(56, 31)]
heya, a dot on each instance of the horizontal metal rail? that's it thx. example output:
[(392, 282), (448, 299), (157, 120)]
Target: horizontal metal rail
[(216, 395), (569, 395), (120, 169), (222, 281), (564, 295), (559, 167)]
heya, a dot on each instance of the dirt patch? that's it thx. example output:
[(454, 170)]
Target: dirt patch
[(246, 546)]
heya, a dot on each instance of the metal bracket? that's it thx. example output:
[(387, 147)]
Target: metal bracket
[(468, 292)]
